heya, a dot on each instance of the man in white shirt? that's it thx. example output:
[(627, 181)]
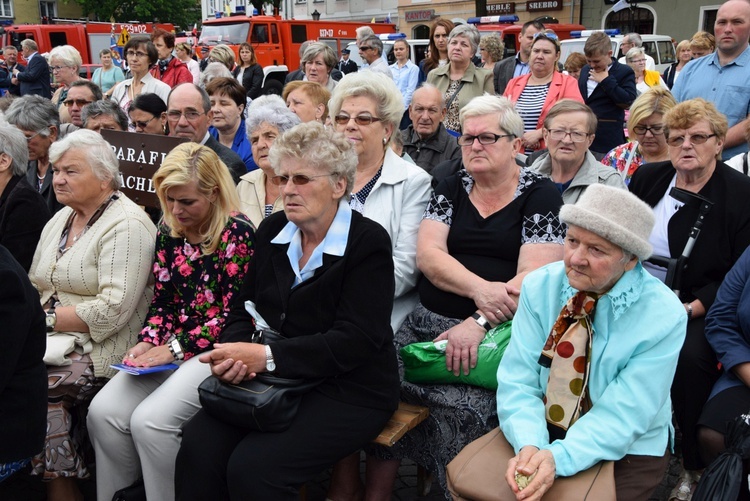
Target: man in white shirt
[(371, 51), (634, 40)]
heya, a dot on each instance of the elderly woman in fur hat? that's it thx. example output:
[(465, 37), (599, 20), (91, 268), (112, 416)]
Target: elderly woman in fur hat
[(599, 318)]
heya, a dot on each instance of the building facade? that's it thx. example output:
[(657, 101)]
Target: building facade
[(32, 11)]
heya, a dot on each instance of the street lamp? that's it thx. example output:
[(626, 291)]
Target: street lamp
[(316, 15)]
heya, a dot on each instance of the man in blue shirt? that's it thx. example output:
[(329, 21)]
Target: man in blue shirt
[(722, 77)]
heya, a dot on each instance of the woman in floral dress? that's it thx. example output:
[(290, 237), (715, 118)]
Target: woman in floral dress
[(203, 249)]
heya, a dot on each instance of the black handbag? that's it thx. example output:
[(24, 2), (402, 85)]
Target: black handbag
[(265, 403)]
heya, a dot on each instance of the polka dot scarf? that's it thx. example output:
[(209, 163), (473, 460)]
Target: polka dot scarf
[(567, 354)]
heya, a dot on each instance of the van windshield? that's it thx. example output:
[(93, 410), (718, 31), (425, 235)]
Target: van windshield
[(232, 34)]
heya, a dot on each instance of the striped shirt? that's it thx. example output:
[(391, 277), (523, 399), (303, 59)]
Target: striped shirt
[(530, 104)]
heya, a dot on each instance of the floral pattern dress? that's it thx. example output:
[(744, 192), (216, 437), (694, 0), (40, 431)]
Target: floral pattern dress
[(626, 156), (193, 292)]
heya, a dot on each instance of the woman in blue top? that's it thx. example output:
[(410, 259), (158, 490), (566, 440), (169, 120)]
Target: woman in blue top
[(228, 122), (108, 75), (600, 319), (406, 75)]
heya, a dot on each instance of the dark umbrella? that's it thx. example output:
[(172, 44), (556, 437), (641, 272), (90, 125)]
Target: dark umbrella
[(722, 480)]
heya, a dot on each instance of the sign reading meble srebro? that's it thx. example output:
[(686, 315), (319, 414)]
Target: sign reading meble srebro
[(140, 155)]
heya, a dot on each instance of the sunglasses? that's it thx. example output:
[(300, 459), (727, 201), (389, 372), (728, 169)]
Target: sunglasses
[(359, 119), (78, 102), (143, 125), (551, 35), (297, 179)]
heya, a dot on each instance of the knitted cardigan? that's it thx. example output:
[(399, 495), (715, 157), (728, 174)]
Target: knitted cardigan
[(106, 275)]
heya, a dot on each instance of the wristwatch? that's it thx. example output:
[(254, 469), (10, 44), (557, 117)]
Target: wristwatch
[(176, 349), (270, 364), (481, 321), (51, 319)]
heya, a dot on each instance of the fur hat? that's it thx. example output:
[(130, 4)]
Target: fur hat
[(615, 215)]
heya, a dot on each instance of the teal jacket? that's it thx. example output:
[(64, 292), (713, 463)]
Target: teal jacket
[(639, 328)]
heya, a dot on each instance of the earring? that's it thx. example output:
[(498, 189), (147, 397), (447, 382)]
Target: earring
[(385, 141)]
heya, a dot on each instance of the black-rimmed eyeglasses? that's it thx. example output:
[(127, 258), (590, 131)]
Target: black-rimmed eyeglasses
[(484, 138)]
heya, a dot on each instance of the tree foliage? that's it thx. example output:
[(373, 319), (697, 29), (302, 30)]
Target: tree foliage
[(178, 12)]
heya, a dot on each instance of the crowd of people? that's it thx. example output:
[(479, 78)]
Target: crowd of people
[(362, 211)]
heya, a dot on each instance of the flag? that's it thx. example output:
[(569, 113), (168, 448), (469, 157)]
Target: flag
[(227, 9), (621, 5), (388, 18), (195, 30), (373, 20)]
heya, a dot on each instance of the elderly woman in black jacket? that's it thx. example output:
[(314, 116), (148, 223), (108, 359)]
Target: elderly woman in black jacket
[(23, 212), (318, 251), (695, 133)]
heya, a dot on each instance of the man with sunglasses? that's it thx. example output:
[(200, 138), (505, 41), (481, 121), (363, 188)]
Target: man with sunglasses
[(80, 94), (512, 67), (189, 115), (371, 51)]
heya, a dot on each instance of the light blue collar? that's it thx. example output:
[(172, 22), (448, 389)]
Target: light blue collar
[(621, 296), (333, 244)]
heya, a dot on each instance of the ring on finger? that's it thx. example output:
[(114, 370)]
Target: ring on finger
[(150, 359), (498, 313)]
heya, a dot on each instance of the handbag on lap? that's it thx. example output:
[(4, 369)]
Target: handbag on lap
[(478, 473)]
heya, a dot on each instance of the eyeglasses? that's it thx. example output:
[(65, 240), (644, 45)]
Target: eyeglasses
[(694, 139), (546, 34), (29, 138), (297, 179), (484, 138), (575, 136), (130, 53), (78, 102), (656, 130), (58, 68), (365, 48), (637, 60), (174, 115), (359, 119), (142, 125)]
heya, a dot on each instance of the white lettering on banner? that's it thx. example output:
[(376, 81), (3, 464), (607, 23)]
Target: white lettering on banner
[(138, 183), (324, 33), (128, 155)]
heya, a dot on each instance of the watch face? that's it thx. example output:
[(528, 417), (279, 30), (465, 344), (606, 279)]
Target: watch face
[(51, 320), (270, 366)]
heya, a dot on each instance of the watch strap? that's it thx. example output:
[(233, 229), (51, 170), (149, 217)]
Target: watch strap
[(481, 321)]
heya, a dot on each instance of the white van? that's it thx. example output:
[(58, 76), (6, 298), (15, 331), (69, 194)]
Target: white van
[(660, 47), (417, 48)]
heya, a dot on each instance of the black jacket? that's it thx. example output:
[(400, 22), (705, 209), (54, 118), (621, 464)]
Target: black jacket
[(34, 79), (23, 214), (23, 375), (608, 102), (726, 230), (231, 159), (337, 323), (252, 80), (47, 192), (347, 67)]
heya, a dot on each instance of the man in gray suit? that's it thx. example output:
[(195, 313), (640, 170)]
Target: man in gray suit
[(189, 115), (515, 67)]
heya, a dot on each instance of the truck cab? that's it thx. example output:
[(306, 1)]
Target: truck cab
[(277, 41)]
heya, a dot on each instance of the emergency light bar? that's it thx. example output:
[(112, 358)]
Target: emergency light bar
[(510, 19)]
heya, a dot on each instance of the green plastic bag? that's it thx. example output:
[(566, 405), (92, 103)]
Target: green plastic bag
[(425, 362)]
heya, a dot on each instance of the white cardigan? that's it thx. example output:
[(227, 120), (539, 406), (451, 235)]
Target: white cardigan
[(397, 202), (106, 275)]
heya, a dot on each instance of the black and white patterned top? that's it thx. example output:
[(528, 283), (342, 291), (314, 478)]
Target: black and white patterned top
[(357, 202), (489, 247)]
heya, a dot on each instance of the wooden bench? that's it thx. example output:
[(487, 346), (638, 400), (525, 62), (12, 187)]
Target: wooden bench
[(406, 417)]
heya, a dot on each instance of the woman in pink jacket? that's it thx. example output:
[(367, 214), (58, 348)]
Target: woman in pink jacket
[(537, 91)]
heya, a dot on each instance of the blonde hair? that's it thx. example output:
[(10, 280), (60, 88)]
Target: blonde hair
[(223, 54), (193, 162), (654, 100)]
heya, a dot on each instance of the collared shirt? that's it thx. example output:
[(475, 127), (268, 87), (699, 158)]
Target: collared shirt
[(591, 84), (380, 65), (333, 244), (240, 145), (406, 78), (521, 67), (725, 86)]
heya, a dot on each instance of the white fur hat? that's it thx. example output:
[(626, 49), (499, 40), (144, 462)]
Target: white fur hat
[(615, 215)]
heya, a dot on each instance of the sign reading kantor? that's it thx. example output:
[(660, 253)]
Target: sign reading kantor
[(140, 155)]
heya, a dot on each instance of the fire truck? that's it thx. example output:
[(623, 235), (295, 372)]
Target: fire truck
[(277, 41), (88, 37), (508, 30)]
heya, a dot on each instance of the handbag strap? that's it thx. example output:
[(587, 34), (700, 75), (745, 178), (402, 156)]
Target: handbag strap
[(455, 94)]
